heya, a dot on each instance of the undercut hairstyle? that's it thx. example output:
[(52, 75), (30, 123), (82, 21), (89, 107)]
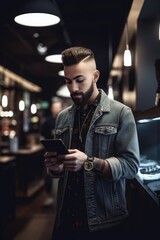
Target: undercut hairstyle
[(75, 55)]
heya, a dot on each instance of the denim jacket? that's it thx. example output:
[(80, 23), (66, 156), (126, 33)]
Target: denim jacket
[(112, 135)]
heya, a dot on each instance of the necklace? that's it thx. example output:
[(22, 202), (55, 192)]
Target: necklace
[(80, 128)]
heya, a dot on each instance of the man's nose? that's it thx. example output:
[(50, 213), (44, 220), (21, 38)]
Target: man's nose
[(73, 86)]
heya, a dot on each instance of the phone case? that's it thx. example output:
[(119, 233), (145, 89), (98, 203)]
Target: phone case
[(54, 145)]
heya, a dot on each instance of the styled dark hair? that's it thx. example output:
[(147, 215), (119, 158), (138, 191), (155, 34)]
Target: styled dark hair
[(74, 55)]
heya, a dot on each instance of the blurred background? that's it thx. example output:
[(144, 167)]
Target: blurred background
[(31, 77)]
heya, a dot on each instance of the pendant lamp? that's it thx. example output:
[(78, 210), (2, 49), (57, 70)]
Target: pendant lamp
[(54, 53), (54, 58), (61, 73), (38, 13), (127, 58)]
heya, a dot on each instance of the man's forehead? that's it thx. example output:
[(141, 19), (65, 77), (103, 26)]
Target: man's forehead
[(74, 78)]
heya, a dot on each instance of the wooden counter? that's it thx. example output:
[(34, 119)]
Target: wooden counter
[(6, 161), (30, 169)]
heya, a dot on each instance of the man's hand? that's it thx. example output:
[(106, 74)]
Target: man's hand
[(74, 161), (52, 162)]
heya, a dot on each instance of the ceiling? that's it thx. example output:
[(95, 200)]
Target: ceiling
[(96, 24)]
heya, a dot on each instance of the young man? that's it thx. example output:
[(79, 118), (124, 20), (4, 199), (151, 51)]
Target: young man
[(103, 151)]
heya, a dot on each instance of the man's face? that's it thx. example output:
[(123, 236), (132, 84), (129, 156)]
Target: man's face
[(80, 97), (80, 81)]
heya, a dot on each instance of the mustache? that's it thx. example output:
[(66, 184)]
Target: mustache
[(76, 94)]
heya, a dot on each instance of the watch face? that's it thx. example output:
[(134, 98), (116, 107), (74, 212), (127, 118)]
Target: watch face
[(88, 165)]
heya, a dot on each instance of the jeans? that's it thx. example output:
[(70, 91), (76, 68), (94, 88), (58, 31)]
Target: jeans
[(118, 232)]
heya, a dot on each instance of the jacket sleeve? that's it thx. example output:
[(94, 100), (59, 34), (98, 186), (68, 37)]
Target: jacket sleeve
[(125, 163)]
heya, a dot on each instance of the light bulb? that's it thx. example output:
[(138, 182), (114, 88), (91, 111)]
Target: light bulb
[(4, 101), (127, 58), (21, 105)]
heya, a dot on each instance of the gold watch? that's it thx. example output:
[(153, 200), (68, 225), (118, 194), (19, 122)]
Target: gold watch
[(88, 164)]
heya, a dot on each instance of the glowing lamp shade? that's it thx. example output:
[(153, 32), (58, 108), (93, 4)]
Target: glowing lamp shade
[(63, 92), (38, 13), (54, 58), (21, 105), (4, 101), (127, 58), (61, 73), (33, 108)]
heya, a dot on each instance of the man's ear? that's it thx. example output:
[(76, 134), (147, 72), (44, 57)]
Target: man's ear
[(96, 75)]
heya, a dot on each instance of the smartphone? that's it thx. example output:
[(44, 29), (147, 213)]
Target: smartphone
[(54, 145)]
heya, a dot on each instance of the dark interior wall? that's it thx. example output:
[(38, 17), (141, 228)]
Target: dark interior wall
[(148, 50)]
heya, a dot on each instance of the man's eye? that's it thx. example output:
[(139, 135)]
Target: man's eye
[(79, 80)]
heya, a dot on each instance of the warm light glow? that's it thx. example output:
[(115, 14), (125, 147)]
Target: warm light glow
[(127, 58), (4, 101), (55, 58), (35, 119), (61, 73), (42, 49), (33, 108), (37, 19), (20, 80), (21, 105), (12, 134), (110, 92), (6, 114), (63, 92)]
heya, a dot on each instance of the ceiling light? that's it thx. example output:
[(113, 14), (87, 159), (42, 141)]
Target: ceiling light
[(63, 92), (110, 89), (110, 92), (21, 105), (61, 73), (54, 53), (38, 13), (33, 108), (4, 101), (41, 48), (127, 57), (55, 58), (127, 54)]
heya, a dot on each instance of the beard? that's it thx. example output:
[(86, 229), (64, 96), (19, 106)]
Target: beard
[(80, 98)]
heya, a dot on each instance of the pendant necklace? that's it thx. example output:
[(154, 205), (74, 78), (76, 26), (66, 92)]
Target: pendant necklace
[(83, 123)]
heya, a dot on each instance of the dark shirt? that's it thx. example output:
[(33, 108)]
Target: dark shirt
[(74, 208)]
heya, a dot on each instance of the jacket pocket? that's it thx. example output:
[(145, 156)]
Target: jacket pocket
[(104, 137)]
